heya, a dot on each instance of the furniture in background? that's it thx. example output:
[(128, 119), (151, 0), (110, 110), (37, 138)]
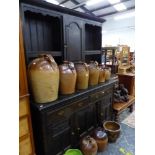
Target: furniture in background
[(120, 107), (109, 58), (128, 80), (26, 145)]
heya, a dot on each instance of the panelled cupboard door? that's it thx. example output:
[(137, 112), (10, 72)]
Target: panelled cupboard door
[(73, 39)]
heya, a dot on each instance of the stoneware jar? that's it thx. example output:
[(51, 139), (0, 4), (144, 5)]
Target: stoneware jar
[(88, 146), (112, 129), (82, 75), (93, 73), (102, 73), (101, 139), (44, 78), (107, 73), (68, 77)]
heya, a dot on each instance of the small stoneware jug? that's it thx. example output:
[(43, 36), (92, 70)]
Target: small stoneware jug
[(88, 146)]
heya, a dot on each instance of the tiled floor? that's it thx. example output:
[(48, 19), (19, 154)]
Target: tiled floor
[(125, 143)]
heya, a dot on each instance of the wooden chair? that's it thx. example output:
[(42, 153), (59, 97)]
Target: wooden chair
[(120, 107)]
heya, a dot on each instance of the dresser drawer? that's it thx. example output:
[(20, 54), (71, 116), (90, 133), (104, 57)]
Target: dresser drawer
[(25, 147), (23, 107), (23, 126), (98, 95)]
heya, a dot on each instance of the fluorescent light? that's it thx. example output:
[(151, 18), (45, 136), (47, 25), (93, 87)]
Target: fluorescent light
[(52, 1), (92, 2), (119, 7), (113, 1), (104, 31), (127, 15)]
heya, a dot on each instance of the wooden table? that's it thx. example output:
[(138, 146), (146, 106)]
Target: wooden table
[(121, 106), (128, 80)]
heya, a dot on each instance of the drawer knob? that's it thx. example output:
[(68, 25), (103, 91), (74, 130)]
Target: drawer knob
[(60, 113), (78, 129), (101, 113), (73, 133)]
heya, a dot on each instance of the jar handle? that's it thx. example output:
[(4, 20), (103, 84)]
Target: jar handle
[(49, 58)]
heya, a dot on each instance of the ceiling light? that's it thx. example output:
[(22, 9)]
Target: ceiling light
[(127, 15), (113, 1), (104, 31), (119, 7), (92, 2), (52, 1)]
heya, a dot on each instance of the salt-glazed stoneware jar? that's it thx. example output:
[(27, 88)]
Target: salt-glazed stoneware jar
[(102, 73), (88, 146), (44, 78), (82, 75), (93, 73), (68, 77), (101, 139)]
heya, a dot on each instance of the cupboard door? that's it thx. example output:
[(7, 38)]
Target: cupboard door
[(74, 41)]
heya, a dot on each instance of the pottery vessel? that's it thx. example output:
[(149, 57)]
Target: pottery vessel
[(88, 146), (44, 78), (68, 77), (93, 73), (112, 129), (101, 138), (102, 73), (82, 75), (107, 73)]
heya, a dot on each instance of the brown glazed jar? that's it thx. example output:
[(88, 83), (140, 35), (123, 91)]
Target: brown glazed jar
[(107, 73), (101, 74), (93, 73), (101, 139), (82, 75), (44, 78), (68, 77), (88, 146)]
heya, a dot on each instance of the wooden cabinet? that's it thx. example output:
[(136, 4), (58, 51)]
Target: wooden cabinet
[(25, 131), (59, 125), (61, 32)]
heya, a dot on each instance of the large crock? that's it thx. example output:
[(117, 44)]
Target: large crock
[(102, 74), (82, 75), (93, 73), (44, 78), (68, 77)]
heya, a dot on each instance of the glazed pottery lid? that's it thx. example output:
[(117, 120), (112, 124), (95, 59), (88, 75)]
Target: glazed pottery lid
[(73, 152)]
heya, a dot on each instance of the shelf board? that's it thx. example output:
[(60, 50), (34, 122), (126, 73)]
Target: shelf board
[(53, 53), (92, 52)]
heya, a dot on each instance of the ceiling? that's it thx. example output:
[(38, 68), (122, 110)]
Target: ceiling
[(101, 9)]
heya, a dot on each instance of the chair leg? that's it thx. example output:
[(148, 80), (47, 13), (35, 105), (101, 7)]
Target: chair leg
[(131, 108), (116, 116)]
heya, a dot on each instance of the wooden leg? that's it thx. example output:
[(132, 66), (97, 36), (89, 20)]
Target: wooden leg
[(131, 108), (116, 116)]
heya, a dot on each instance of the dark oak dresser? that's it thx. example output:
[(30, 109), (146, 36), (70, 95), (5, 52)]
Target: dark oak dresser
[(66, 35), (61, 124)]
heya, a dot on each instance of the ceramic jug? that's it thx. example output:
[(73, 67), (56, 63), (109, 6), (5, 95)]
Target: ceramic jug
[(93, 73), (102, 73), (88, 146), (107, 73), (44, 78), (101, 139), (82, 75), (68, 77)]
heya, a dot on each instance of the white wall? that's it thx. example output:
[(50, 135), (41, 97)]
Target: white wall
[(119, 32)]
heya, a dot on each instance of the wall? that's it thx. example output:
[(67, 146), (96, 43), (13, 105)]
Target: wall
[(116, 32)]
